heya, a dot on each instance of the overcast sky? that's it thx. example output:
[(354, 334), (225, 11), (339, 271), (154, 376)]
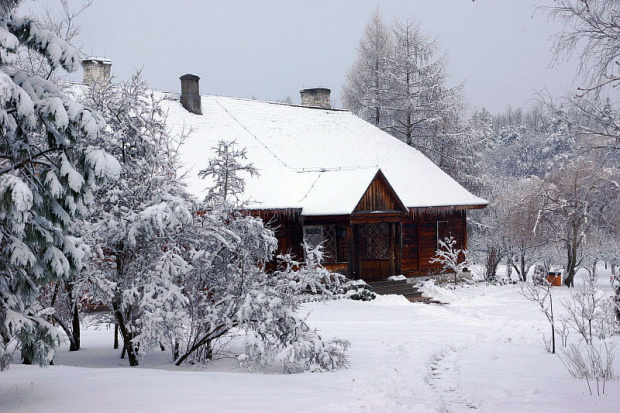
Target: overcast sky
[(269, 49)]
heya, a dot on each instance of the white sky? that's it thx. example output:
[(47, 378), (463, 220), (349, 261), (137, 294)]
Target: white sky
[(269, 49)]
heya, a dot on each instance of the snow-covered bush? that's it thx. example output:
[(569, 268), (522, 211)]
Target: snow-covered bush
[(452, 259), (47, 173), (361, 294), (590, 312)]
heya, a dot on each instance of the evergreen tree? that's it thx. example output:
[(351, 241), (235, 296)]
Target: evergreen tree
[(47, 173)]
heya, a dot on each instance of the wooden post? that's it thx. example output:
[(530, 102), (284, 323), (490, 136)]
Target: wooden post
[(399, 248), (392, 248), (354, 252)]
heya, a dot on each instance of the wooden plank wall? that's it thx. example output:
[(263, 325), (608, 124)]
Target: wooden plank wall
[(419, 241), (378, 197), (457, 226), (410, 252)]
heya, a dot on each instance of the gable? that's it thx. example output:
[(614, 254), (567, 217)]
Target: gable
[(379, 196)]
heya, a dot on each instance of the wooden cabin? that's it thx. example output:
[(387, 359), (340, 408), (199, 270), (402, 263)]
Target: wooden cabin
[(377, 205), (381, 237)]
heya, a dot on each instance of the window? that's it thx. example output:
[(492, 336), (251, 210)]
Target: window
[(443, 231), (324, 235), (375, 241)]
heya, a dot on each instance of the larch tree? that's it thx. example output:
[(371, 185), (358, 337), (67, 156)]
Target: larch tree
[(47, 173), (367, 90), (399, 83), (421, 102)]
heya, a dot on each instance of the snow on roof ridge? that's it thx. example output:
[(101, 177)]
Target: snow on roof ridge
[(243, 99)]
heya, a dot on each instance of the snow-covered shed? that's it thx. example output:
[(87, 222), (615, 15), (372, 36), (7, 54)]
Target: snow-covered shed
[(377, 204)]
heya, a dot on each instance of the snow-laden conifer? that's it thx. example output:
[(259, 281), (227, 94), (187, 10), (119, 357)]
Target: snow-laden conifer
[(47, 172)]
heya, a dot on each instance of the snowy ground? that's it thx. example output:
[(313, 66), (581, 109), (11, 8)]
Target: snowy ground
[(482, 351)]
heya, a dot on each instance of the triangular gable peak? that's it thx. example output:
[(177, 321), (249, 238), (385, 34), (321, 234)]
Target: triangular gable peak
[(380, 196)]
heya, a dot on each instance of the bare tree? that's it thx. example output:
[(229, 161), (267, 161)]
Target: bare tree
[(540, 292), (63, 25), (574, 200), (592, 32)]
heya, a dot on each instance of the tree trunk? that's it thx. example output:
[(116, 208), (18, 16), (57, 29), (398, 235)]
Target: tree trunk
[(75, 341), (128, 346), (571, 264)]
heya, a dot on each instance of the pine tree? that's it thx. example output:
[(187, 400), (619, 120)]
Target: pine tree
[(47, 172)]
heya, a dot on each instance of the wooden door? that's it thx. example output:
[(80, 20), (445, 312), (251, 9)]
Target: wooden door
[(411, 258)]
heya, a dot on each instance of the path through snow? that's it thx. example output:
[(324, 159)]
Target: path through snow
[(444, 381)]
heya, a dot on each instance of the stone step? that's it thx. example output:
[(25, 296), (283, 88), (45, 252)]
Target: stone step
[(387, 288)]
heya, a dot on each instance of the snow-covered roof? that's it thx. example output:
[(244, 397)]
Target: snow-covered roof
[(319, 161)]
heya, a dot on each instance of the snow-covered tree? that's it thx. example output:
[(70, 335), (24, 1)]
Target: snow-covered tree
[(424, 107), (229, 290), (367, 90), (47, 172), (138, 232), (590, 31), (61, 23), (399, 83), (572, 202), (224, 169)]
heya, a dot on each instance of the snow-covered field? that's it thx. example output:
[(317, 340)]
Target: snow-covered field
[(482, 351)]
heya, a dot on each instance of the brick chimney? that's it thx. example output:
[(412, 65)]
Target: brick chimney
[(318, 97), (190, 94), (96, 71)]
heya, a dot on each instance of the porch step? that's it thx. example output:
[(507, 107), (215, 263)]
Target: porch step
[(400, 287)]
